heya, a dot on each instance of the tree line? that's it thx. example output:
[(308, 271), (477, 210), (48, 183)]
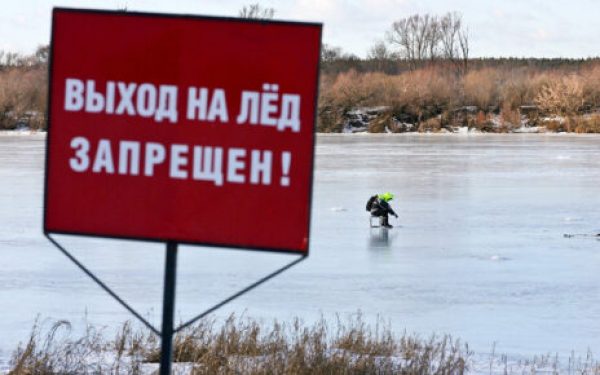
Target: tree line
[(421, 71)]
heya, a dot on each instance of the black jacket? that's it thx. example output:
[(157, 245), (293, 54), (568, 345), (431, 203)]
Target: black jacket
[(382, 207)]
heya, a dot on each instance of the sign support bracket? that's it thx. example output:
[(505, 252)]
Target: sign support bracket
[(168, 329), (241, 292), (101, 284)]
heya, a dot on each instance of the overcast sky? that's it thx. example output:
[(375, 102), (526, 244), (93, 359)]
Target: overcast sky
[(526, 28)]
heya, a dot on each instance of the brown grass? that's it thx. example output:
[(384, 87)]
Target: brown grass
[(420, 96), (242, 345), (416, 96)]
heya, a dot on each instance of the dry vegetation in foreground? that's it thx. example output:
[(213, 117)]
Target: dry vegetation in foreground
[(245, 346)]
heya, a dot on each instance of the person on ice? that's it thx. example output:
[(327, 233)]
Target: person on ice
[(380, 207)]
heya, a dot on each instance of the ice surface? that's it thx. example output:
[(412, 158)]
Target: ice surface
[(480, 253)]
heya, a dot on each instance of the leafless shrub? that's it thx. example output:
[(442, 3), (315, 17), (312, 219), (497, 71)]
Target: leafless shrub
[(588, 124), (510, 118), (381, 124), (481, 88), (562, 96), (432, 125)]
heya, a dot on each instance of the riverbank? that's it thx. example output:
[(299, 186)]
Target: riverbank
[(12, 133), (464, 131)]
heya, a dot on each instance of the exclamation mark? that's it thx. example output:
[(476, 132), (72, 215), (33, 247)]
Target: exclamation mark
[(286, 161)]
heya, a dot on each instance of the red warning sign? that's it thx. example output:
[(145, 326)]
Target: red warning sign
[(178, 128)]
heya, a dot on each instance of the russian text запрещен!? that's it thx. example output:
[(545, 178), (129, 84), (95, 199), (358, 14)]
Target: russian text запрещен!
[(200, 163)]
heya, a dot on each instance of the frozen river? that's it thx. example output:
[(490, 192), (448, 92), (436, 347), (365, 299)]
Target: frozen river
[(480, 253)]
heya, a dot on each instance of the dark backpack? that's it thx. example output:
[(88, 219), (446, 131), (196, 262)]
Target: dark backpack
[(370, 202)]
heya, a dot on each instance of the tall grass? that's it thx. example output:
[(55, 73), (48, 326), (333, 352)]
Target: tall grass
[(240, 345)]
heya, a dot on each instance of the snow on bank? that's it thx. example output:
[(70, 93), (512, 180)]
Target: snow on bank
[(381, 119), (19, 132)]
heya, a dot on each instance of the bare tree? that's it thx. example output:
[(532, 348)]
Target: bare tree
[(380, 58), (42, 54), (256, 11), (401, 35), (426, 37), (330, 53), (434, 35), (450, 25), (463, 42), (412, 37), (379, 51), (420, 27), (455, 42)]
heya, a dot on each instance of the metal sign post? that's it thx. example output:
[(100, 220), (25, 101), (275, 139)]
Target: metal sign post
[(166, 355)]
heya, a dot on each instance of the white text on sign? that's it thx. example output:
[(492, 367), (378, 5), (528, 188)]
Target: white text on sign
[(200, 163), (267, 107)]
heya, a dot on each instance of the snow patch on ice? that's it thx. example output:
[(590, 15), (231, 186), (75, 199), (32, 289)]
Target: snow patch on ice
[(338, 209), (573, 218), (498, 258)]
